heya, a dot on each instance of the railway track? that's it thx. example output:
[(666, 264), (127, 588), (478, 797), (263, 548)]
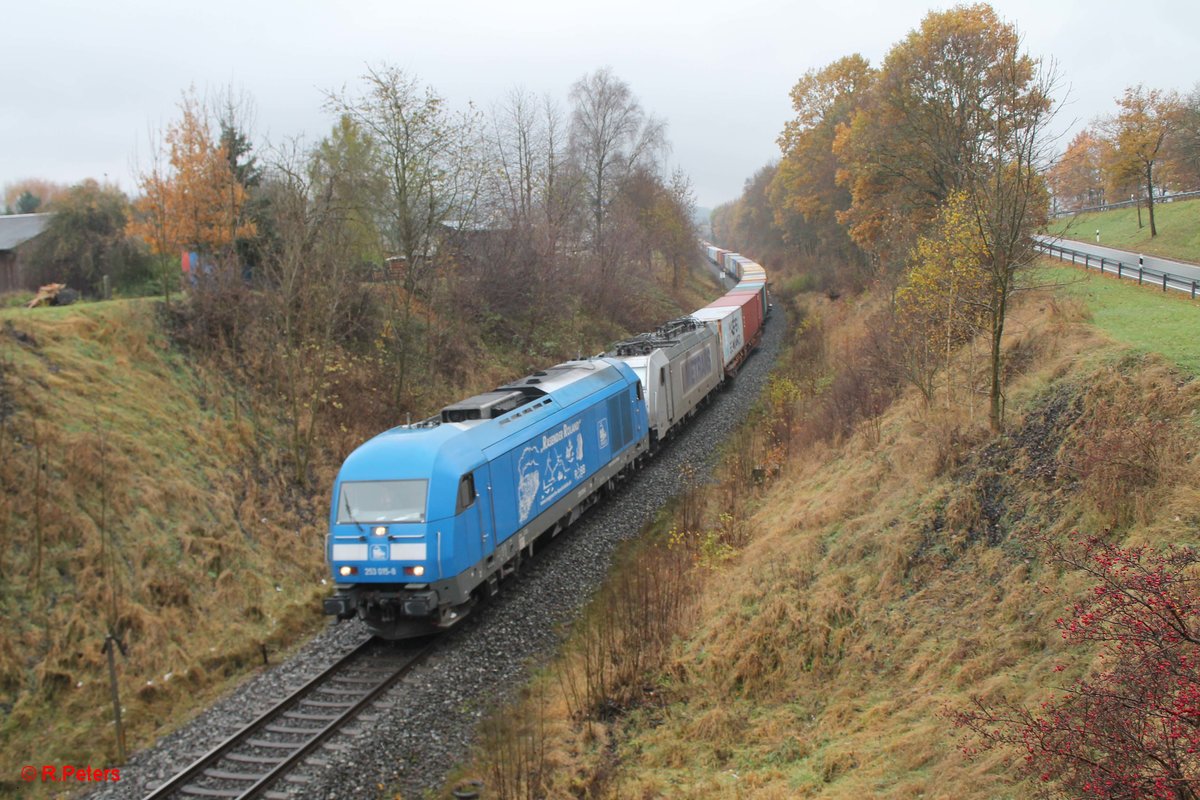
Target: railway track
[(251, 761)]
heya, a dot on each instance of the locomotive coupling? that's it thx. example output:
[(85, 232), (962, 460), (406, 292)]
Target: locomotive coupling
[(420, 604), (340, 606)]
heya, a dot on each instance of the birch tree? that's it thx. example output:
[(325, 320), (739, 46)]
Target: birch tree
[(610, 136), (426, 160)]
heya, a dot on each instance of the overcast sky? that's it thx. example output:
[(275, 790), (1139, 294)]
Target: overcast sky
[(84, 81)]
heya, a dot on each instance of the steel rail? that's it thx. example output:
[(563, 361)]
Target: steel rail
[(182, 781)]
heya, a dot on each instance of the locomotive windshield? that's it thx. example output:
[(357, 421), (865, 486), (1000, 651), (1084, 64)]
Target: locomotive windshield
[(382, 501)]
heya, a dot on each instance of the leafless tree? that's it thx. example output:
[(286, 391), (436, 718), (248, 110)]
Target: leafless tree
[(681, 245), (1009, 197), (313, 295), (426, 157), (610, 135), (518, 141)]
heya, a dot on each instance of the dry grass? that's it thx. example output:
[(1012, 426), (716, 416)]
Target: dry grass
[(137, 500), (887, 575), (873, 598)]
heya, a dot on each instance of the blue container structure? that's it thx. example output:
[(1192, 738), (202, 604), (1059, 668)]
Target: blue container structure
[(427, 517)]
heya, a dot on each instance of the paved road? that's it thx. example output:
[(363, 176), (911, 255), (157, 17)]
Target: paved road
[(1189, 272)]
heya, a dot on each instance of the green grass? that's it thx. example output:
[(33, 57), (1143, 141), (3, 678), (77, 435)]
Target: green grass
[(1141, 317), (1178, 227)]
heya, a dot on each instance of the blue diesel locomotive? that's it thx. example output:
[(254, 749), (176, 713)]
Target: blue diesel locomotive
[(428, 517)]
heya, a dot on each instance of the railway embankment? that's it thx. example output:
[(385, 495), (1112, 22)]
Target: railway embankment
[(142, 499), (419, 730), (136, 503), (149, 492), (869, 563)]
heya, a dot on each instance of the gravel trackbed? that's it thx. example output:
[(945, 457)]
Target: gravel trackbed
[(423, 726)]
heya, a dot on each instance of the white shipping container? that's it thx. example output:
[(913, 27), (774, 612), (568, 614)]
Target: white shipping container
[(742, 263), (727, 322)]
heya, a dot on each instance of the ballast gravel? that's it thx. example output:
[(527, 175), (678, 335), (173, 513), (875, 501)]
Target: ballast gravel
[(417, 732)]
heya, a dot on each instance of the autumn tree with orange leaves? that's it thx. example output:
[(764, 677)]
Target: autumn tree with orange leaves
[(806, 184), (1182, 161), (192, 200), (38, 192), (1136, 137), (946, 103), (1077, 178), (957, 110)]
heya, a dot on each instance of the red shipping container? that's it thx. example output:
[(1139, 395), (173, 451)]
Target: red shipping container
[(752, 310)]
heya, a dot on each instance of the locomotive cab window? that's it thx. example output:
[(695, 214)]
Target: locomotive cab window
[(466, 493), (382, 501)]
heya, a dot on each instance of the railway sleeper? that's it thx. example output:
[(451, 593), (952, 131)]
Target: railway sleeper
[(203, 791), (327, 704), (338, 692), (226, 775), (363, 680), (248, 758), (310, 717), (287, 730), (269, 745)]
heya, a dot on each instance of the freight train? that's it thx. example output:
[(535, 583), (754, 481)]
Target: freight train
[(428, 518)]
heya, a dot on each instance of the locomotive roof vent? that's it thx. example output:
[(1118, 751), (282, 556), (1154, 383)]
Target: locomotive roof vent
[(488, 405)]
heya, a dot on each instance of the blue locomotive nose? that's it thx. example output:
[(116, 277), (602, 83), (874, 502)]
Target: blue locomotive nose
[(402, 557), (384, 552), (379, 531)]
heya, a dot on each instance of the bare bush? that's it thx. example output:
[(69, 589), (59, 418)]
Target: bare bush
[(627, 629), (1124, 448), (513, 749)]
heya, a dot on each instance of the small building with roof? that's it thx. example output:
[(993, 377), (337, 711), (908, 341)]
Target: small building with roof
[(15, 231)]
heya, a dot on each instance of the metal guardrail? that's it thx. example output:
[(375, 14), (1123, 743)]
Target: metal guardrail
[(1143, 275), (1170, 198)]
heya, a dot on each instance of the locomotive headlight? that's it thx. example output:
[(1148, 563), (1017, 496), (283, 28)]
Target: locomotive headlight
[(346, 571), (418, 570), (380, 531)]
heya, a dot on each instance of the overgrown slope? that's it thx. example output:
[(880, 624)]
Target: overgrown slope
[(885, 577), (141, 497), (149, 493), (891, 582)]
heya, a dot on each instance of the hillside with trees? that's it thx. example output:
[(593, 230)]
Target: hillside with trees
[(166, 460), (954, 551)]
